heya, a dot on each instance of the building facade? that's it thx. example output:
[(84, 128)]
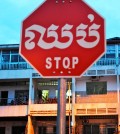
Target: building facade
[(28, 102)]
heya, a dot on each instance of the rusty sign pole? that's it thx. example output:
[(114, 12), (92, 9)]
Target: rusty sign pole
[(61, 106)]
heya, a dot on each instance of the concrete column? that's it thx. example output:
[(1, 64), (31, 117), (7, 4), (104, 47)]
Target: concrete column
[(118, 81), (34, 90), (0, 58), (30, 126), (102, 129), (73, 103), (118, 129)]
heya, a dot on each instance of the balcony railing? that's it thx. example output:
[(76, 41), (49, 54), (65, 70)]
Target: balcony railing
[(46, 101), (14, 66), (24, 65), (11, 101), (106, 62), (22, 101)]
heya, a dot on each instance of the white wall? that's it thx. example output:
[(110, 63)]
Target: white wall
[(111, 83), (8, 88), (12, 74), (52, 93)]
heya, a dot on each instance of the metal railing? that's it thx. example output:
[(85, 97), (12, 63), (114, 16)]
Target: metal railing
[(25, 65), (11, 101), (50, 101), (23, 101), (14, 66), (106, 62)]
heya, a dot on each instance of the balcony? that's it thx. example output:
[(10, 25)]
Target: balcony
[(13, 107), (101, 104), (24, 65), (46, 109), (13, 70), (100, 68), (96, 109), (13, 111), (104, 104)]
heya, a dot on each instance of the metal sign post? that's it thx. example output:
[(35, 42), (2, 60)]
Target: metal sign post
[(61, 107)]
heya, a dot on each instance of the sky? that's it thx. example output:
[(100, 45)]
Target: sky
[(13, 12)]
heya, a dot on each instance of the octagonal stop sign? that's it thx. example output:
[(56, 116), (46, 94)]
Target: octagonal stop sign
[(62, 39)]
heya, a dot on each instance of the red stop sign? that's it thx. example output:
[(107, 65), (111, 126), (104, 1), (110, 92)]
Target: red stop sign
[(62, 39)]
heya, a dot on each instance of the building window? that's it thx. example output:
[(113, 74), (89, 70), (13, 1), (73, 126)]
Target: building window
[(21, 59), (21, 93), (103, 57), (96, 88), (21, 97), (42, 130), (14, 58), (110, 55), (11, 56), (5, 55), (3, 98), (6, 58)]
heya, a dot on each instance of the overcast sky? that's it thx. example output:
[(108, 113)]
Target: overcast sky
[(12, 12)]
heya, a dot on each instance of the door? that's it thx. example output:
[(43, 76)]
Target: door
[(4, 97), (2, 130), (87, 129), (95, 129), (91, 129)]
